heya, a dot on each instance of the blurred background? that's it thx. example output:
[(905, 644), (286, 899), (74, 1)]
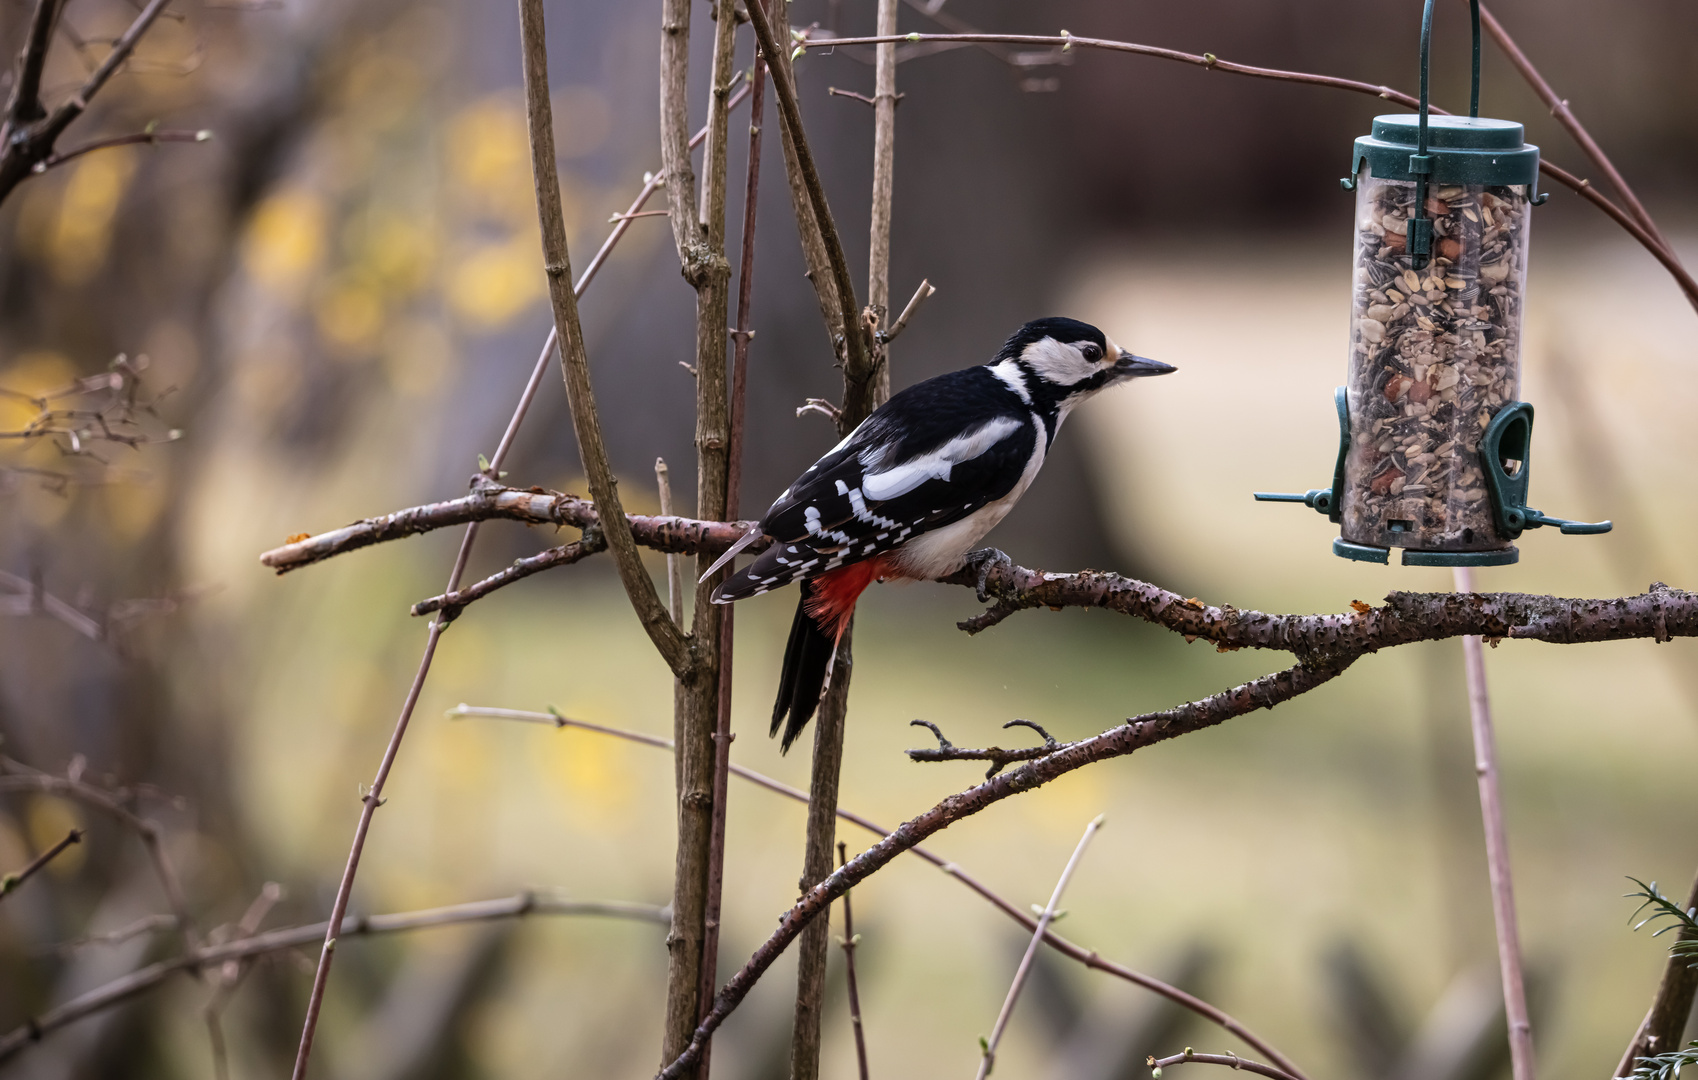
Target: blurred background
[(338, 300)]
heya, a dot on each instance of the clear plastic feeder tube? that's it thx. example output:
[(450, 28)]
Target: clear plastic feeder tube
[(1435, 352)]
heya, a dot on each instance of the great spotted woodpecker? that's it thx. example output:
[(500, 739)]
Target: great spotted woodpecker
[(915, 486)]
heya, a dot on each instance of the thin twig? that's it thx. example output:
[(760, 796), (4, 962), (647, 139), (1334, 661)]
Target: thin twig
[(15, 776), (144, 979), (1136, 733), (884, 172), (668, 638), (141, 138), (1067, 948), (674, 562), (866, 386), (147, 924), (1664, 1022), (1565, 116), (11, 881), (1214, 63), (451, 604), (743, 338), (230, 975), (858, 365), (987, 1060), (850, 941), (28, 140), (24, 105), (921, 295), (371, 802), (1497, 849), (1230, 1060)]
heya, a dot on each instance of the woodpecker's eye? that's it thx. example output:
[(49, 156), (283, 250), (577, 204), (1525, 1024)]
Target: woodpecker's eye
[(1092, 352)]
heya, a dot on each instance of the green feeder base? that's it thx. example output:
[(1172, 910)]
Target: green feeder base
[(1344, 549), (1505, 557)]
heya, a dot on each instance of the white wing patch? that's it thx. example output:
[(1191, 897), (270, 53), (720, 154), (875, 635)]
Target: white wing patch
[(938, 464)]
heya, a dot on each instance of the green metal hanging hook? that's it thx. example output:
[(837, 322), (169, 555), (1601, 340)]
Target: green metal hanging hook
[(1421, 163)]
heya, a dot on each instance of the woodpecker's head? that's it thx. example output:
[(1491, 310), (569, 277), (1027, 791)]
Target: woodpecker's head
[(1066, 361)]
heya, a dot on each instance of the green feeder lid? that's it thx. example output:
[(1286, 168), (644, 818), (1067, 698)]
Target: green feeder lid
[(1461, 149)]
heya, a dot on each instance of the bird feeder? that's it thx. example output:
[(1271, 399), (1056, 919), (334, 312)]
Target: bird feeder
[(1434, 444)]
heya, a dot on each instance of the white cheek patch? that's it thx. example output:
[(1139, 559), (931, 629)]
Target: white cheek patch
[(1056, 363), (938, 464)]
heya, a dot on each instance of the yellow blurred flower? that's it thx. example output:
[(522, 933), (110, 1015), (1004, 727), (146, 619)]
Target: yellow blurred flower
[(77, 248), (285, 239), (349, 312), (497, 281)]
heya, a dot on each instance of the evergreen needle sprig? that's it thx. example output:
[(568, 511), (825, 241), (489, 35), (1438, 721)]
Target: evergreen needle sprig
[(1682, 920), (1666, 1066)]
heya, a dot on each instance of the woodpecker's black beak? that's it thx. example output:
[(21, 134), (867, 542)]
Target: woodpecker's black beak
[(1132, 367)]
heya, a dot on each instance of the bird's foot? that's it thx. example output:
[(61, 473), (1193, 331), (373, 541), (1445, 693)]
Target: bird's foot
[(982, 561)]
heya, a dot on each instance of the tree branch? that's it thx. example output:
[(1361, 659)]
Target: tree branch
[(531, 506), (849, 942), (987, 1059), (452, 603), (639, 587), (30, 141), (1660, 1031), (742, 338), (24, 105), (1510, 967), (15, 776), (1565, 116), (1055, 941), (1232, 1060), (144, 979), (10, 882), (1661, 613), (1141, 731), (859, 369), (1213, 63)]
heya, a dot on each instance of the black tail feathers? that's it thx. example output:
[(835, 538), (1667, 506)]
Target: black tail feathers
[(807, 658)]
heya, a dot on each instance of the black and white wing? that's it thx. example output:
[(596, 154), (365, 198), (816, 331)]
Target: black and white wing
[(927, 458)]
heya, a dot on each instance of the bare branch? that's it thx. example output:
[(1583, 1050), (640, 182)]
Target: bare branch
[(849, 942), (921, 295), (10, 882), (1213, 63), (1141, 731), (1497, 849), (373, 799), (144, 979), (592, 449), (141, 138), (452, 603), (742, 338), (25, 103), (1060, 944), (858, 364), (1230, 1060), (490, 501), (1565, 116), (998, 757), (674, 564), (1661, 613), (16, 776), (987, 1060)]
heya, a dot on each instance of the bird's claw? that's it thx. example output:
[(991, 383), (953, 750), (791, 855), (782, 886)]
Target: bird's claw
[(983, 561)]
